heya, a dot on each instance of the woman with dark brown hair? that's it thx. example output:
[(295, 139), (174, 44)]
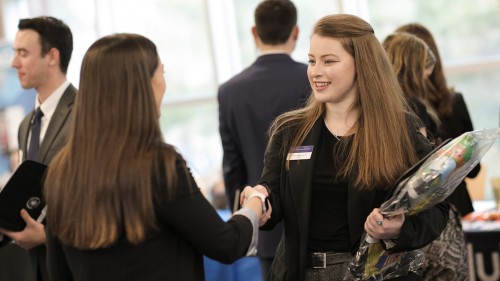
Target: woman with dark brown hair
[(122, 205)]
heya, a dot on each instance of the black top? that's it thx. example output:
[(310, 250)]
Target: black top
[(291, 201), (189, 228), (421, 111), (328, 227)]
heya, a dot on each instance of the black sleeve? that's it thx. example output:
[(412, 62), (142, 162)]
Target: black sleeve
[(196, 221), (271, 178), (421, 229)]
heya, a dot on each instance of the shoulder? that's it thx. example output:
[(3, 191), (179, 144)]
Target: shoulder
[(68, 97), (237, 80), (458, 100), (420, 142)]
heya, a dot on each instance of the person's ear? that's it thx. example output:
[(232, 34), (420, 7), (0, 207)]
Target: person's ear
[(256, 38), (295, 33), (54, 57), (254, 32)]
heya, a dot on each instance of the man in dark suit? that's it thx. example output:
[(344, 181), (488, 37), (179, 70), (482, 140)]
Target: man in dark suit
[(43, 48), (248, 102)]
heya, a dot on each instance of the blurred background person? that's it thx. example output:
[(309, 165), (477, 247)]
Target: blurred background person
[(451, 109), (412, 62), (446, 257), (251, 100), (42, 52), (122, 205)]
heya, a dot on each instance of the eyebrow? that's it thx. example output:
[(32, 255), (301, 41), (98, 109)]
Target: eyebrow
[(20, 49), (326, 55)]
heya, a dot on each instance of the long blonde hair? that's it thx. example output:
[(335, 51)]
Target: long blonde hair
[(410, 56), (99, 186), (441, 97), (381, 149)]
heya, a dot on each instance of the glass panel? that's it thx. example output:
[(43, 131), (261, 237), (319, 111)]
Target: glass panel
[(193, 129), (177, 27), (462, 28), (180, 30)]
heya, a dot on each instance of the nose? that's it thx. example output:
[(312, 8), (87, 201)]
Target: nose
[(15, 62), (314, 71)]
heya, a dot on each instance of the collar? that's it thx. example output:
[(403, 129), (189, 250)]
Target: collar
[(49, 105), (272, 52)]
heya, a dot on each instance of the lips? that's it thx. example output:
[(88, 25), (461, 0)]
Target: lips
[(321, 85)]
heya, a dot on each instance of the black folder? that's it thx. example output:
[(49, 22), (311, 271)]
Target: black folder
[(22, 191)]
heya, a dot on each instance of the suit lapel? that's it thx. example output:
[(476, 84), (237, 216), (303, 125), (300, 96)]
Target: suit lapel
[(23, 134), (301, 173), (57, 121)]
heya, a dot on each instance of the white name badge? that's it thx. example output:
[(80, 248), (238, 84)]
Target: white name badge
[(300, 153)]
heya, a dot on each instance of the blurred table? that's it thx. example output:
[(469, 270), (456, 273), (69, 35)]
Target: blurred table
[(482, 232)]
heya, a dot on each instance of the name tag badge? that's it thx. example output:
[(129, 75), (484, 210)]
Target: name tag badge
[(300, 153)]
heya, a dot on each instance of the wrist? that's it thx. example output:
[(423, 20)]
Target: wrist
[(262, 199)]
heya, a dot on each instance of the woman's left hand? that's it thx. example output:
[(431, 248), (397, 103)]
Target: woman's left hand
[(383, 228)]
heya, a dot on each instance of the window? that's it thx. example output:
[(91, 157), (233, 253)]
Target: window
[(205, 42)]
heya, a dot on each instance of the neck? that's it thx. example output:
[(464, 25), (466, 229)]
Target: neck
[(51, 84), (340, 121), (280, 48), (286, 47)]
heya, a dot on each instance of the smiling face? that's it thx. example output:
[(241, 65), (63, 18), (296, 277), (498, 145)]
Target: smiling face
[(31, 66), (331, 71)]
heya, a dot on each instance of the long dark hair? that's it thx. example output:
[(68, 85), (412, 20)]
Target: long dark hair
[(99, 187)]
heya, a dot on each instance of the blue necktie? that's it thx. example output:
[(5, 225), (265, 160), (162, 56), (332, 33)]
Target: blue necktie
[(36, 123)]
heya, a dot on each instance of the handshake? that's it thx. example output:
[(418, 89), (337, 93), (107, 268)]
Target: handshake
[(261, 206)]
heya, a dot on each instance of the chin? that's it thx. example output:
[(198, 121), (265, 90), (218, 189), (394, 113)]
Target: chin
[(322, 97)]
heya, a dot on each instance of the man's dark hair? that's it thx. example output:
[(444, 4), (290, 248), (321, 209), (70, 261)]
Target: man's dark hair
[(53, 33), (274, 21)]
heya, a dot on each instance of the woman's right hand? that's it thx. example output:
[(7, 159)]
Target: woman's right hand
[(247, 192)]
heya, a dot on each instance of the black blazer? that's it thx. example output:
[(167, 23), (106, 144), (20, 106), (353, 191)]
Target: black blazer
[(248, 103), (55, 138), (453, 126), (290, 201), (188, 228)]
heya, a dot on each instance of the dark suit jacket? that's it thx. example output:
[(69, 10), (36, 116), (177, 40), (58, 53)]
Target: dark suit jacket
[(55, 138), (453, 126), (290, 200), (248, 103), (188, 228)]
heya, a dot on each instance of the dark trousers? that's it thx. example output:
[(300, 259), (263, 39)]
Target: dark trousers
[(265, 264)]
